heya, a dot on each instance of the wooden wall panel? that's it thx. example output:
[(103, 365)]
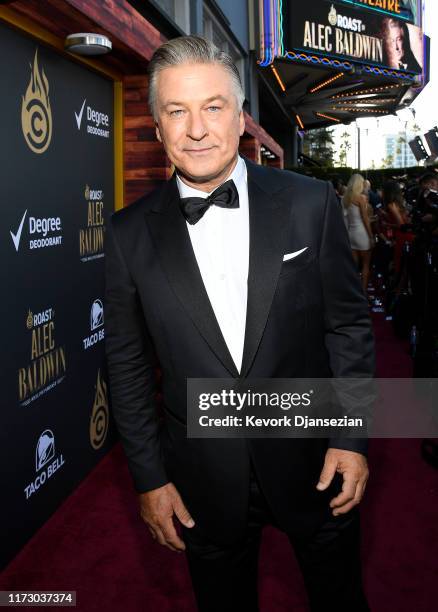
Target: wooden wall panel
[(250, 147), (145, 163), (262, 137)]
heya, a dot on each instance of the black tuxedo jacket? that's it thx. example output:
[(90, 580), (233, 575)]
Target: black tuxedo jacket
[(306, 317)]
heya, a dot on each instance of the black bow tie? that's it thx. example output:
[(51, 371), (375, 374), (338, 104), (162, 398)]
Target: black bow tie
[(225, 196)]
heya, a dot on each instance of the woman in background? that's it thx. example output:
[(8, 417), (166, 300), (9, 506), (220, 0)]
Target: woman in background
[(397, 216), (359, 226)]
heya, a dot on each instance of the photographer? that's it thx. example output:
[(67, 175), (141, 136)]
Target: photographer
[(426, 206)]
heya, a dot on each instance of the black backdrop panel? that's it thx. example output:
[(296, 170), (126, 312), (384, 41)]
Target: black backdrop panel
[(56, 193)]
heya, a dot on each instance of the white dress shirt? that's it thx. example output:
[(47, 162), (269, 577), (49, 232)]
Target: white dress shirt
[(220, 241)]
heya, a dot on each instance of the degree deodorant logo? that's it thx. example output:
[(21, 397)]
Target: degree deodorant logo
[(36, 113)]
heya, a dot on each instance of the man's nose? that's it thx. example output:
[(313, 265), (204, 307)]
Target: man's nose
[(196, 128)]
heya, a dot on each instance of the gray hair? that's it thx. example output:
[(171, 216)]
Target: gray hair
[(190, 49)]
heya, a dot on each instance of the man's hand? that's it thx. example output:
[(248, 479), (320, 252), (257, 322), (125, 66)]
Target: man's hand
[(157, 508), (354, 468)]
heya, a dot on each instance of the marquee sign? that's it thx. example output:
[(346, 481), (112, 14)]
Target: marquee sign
[(335, 29), (402, 9), (390, 35)]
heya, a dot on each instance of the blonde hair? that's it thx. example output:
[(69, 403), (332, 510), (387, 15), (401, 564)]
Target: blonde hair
[(354, 189)]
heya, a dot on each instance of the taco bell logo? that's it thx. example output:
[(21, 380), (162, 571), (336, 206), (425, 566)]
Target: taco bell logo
[(96, 325), (46, 463), (96, 315), (45, 449)]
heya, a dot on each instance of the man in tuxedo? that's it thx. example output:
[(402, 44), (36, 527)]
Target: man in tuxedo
[(233, 270), (398, 52)]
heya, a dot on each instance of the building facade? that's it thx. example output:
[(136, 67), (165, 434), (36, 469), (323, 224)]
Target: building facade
[(398, 153)]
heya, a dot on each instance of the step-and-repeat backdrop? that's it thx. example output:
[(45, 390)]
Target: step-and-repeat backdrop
[(56, 193)]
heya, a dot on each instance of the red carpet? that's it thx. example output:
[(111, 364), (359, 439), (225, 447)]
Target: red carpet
[(97, 545)]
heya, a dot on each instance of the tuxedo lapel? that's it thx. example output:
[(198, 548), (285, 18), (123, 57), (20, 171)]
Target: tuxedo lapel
[(171, 238), (268, 222), (268, 226)]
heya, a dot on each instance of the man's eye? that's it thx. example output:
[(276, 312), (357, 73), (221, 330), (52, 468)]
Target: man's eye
[(214, 108), (176, 113)]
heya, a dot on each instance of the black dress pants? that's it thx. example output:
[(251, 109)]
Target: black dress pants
[(225, 579)]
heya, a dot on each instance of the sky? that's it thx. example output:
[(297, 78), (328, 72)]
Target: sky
[(425, 106)]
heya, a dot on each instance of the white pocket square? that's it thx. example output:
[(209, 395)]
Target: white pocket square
[(288, 256)]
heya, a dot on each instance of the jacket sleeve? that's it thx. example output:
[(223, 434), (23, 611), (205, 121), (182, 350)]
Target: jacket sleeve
[(348, 331), (131, 362)]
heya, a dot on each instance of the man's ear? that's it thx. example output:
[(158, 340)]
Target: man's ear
[(157, 131), (241, 123)]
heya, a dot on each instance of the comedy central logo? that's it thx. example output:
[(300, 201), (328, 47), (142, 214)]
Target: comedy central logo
[(36, 114), (99, 415), (332, 17)]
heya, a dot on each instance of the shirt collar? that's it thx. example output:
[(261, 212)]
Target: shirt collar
[(237, 175)]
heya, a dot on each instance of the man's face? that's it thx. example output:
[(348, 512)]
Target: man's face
[(396, 43), (197, 120)]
